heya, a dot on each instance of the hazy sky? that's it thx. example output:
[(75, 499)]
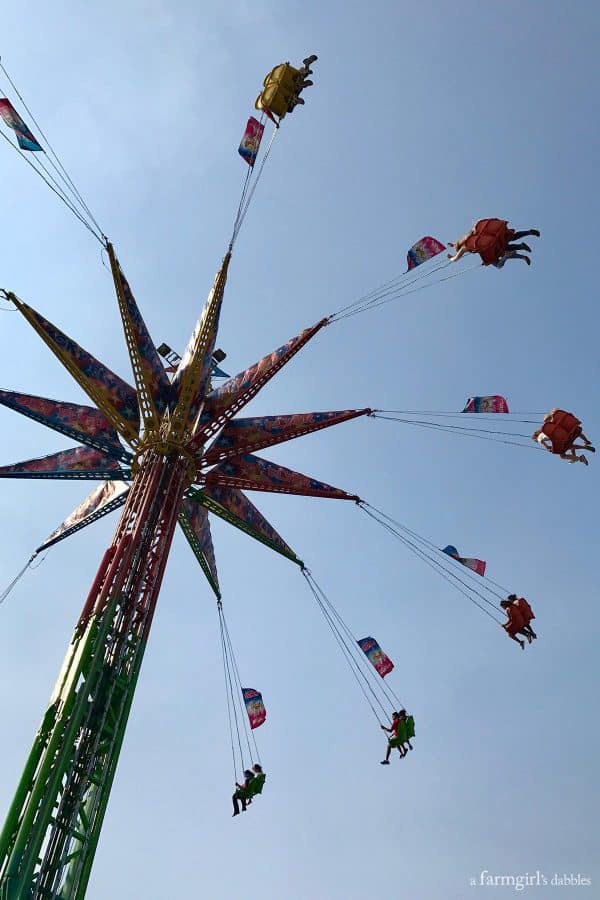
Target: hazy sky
[(423, 118)]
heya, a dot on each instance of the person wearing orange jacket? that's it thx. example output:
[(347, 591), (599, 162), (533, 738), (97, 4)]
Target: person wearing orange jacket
[(527, 613), (515, 623)]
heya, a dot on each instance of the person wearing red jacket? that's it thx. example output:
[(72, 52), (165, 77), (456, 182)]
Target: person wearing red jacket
[(558, 434), (516, 622), (527, 613), (492, 239)]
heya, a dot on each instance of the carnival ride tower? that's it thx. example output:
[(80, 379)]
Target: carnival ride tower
[(188, 456), (168, 451), (54, 823), (48, 842)]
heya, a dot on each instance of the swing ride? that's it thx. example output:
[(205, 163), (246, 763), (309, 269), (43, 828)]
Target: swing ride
[(171, 449)]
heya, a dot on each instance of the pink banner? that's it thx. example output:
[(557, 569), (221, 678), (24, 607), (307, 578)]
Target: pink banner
[(12, 118), (422, 251), (254, 707), (251, 139), (378, 659), (476, 565), (492, 404)]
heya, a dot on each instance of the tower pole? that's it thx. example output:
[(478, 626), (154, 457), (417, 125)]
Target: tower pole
[(49, 839)]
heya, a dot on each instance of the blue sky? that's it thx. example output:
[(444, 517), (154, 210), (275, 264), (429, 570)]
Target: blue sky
[(422, 119)]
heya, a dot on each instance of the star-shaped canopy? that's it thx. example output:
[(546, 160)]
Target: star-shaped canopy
[(183, 415)]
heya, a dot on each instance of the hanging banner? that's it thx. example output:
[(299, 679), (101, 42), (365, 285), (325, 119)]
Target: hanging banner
[(422, 251), (25, 139), (378, 659), (492, 404), (254, 707), (250, 142), (476, 565)]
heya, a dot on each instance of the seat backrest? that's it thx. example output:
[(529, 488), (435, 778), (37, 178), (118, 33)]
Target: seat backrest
[(256, 785), (562, 430), (525, 608)]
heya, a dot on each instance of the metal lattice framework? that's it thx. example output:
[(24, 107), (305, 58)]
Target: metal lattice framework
[(188, 458)]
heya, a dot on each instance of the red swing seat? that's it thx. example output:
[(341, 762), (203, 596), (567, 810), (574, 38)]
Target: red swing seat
[(490, 239), (562, 429)]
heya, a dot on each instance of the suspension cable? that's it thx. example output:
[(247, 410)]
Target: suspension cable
[(387, 295), (433, 562), (386, 689), (56, 163), (230, 688), (463, 430), (248, 191), (18, 577), (352, 665), (229, 714), (395, 284), (481, 417), (48, 181), (239, 689), (438, 556), (435, 565), (466, 571)]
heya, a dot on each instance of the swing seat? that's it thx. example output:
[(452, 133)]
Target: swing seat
[(410, 727), (256, 785), (279, 89), (515, 622), (526, 610), (562, 430), (490, 239)]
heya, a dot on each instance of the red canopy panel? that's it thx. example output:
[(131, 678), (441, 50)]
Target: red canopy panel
[(256, 474), (248, 435), (80, 462), (227, 400)]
